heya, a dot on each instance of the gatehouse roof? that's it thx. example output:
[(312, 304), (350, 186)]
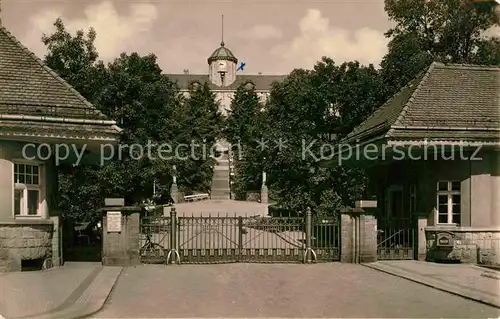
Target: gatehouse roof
[(36, 102), (447, 102)]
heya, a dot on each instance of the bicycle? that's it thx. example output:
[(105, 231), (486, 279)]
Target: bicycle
[(151, 249)]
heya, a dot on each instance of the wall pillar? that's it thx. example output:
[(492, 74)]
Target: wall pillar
[(57, 243), (421, 249), (120, 240), (359, 236), (174, 192), (368, 238), (174, 189), (264, 193), (347, 238)]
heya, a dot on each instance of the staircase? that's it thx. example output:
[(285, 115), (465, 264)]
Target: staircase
[(220, 179)]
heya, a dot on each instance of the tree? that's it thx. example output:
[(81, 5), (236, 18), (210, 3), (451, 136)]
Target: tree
[(348, 94), (74, 58), (198, 125), (449, 31), (146, 104), (244, 126), (309, 110), (143, 101)]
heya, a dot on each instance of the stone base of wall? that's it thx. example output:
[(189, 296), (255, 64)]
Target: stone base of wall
[(470, 245), (22, 240)]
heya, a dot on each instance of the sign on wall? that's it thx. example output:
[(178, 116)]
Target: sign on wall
[(444, 240), (114, 222)]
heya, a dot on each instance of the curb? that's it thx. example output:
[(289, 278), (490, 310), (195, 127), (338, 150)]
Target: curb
[(92, 299), (481, 298)]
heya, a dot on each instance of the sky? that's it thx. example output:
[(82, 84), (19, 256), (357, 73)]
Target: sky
[(270, 36)]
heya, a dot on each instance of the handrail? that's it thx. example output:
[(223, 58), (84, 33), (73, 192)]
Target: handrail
[(196, 197), (391, 237)]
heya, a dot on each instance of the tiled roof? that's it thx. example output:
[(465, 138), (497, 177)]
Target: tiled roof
[(28, 87), (83, 131), (261, 82), (452, 102)]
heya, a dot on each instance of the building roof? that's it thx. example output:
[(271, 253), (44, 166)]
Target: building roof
[(35, 101), (261, 82), (222, 53), (451, 102)]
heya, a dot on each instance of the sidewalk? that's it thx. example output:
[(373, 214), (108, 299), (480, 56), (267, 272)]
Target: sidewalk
[(72, 291), (469, 281)]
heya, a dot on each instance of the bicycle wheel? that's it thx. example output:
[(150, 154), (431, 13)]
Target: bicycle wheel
[(146, 249), (156, 250)]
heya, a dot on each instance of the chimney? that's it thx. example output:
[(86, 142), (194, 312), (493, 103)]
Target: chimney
[(186, 71)]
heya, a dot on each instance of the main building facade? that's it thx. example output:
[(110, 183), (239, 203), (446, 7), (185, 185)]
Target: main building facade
[(223, 78)]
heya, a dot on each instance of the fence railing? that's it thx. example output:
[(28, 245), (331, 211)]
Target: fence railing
[(326, 238), (225, 239), (395, 238)]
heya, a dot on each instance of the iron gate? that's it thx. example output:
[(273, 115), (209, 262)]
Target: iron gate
[(216, 239), (395, 239)]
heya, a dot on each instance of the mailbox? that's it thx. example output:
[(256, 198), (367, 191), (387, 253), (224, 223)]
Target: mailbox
[(444, 240)]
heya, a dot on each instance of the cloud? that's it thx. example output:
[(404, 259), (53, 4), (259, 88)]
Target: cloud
[(262, 32), (317, 38), (115, 33)]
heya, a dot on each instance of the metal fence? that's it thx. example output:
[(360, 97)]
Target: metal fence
[(155, 238), (395, 238), (226, 239), (325, 239)]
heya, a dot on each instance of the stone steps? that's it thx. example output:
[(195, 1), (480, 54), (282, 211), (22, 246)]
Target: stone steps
[(220, 180)]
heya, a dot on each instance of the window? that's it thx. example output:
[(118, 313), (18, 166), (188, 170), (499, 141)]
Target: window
[(27, 190), (448, 202)]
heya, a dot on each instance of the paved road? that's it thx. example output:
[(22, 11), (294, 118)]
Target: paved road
[(265, 290)]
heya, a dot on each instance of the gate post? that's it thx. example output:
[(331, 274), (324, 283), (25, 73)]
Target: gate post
[(309, 253), (359, 233), (240, 238), (368, 231), (120, 233), (173, 254)]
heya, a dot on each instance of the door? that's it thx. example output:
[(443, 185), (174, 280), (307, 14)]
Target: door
[(395, 202)]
